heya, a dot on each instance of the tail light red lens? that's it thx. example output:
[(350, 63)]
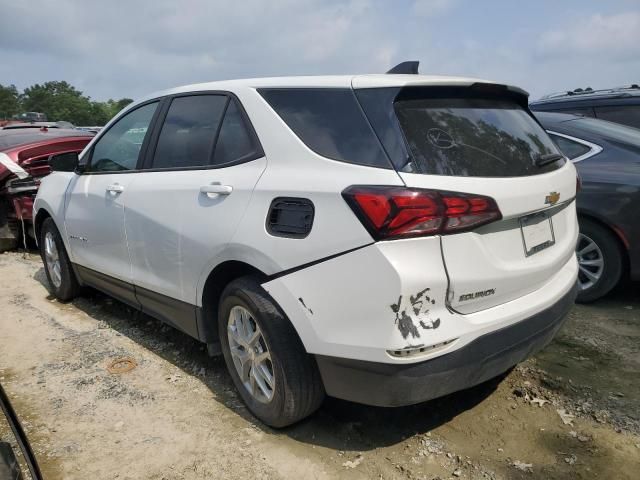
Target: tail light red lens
[(399, 212)]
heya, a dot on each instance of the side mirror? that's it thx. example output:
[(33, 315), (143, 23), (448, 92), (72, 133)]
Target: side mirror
[(64, 162)]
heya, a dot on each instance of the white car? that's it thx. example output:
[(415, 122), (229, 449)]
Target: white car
[(385, 239)]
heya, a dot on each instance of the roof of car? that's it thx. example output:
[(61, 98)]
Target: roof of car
[(580, 95), (26, 136), (329, 81)]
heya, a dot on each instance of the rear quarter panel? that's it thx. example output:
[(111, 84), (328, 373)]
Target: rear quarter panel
[(293, 170)]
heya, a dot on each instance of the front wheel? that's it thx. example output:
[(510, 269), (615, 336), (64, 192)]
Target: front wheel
[(599, 261), (276, 378), (57, 265)]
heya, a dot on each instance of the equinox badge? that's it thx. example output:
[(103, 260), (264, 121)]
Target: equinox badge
[(472, 296)]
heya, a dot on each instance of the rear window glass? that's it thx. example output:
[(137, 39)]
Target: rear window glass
[(330, 122), (472, 137)]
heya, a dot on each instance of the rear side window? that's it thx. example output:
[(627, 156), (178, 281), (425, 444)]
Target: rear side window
[(189, 131), (330, 122), (235, 142), (472, 137), (626, 115), (570, 148)]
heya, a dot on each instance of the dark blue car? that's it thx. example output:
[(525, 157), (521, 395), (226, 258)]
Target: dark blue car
[(607, 156)]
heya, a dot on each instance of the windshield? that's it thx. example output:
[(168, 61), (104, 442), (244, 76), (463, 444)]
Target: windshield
[(473, 137)]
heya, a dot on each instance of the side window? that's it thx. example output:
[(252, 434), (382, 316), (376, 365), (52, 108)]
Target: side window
[(119, 147), (234, 140), (330, 122), (626, 115), (189, 131), (570, 148)]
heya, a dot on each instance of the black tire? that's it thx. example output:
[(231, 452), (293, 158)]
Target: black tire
[(298, 390), (69, 287), (611, 255)]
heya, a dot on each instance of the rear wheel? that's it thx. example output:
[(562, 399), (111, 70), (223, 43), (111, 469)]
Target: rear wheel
[(599, 260), (57, 266), (276, 378)]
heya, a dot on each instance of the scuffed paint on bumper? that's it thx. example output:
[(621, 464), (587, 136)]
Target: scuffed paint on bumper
[(388, 385)]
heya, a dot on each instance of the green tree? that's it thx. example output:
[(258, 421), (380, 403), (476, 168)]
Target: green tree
[(9, 101), (112, 107), (59, 101)]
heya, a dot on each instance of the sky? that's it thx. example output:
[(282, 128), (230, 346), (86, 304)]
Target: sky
[(115, 48)]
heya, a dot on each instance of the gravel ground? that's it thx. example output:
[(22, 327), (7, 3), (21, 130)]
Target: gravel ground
[(571, 412)]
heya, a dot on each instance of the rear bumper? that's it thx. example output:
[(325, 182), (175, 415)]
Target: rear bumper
[(392, 385)]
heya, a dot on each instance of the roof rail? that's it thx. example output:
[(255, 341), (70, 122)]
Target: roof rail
[(410, 67), (589, 91)]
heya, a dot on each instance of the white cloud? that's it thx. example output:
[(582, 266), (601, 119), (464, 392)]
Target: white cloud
[(432, 8), (613, 35), (131, 48)]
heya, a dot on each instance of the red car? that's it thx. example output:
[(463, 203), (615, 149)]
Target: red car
[(24, 160)]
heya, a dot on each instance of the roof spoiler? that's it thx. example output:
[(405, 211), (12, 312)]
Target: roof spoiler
[(410, 68)]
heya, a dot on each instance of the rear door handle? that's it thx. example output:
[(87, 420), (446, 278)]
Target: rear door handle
[(115, 188), (216, 189)]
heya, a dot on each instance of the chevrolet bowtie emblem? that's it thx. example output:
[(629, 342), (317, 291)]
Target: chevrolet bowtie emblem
[(552, 198)]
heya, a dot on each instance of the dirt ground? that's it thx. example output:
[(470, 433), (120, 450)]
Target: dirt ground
[(571, 412)]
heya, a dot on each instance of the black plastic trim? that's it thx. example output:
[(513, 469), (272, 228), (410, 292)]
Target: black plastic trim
[(179, 314), (305, 229), (114, 287), (394, 385)]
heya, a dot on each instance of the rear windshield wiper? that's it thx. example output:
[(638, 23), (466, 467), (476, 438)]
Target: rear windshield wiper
[(546, 159)]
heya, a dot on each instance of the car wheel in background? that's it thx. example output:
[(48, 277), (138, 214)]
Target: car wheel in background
[(62, 280), (276, 378), (599, 260)]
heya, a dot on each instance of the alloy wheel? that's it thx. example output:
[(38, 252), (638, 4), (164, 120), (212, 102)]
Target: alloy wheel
[(52, 259), (590, 262), (250, 354)]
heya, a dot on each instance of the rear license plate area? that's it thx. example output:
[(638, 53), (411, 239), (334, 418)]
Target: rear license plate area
[(537, 233)]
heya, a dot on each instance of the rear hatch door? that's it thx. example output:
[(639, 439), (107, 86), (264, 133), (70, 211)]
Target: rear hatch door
[(483, 140)]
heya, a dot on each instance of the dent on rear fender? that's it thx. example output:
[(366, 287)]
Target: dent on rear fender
[(361, 305)]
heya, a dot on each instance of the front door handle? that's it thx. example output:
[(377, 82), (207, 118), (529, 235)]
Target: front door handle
[(115, 188), (216, 189)]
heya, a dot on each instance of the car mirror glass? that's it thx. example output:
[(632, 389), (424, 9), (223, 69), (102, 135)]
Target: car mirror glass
[(64, 162)]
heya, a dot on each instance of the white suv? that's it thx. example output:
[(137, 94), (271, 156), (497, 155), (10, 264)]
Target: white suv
[(385, 239)]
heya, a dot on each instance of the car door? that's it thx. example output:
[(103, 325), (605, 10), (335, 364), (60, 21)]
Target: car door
[(95, 209), (185, 205)]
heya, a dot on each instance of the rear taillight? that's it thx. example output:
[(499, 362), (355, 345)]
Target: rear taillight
[(399, 212), (578, 183)]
